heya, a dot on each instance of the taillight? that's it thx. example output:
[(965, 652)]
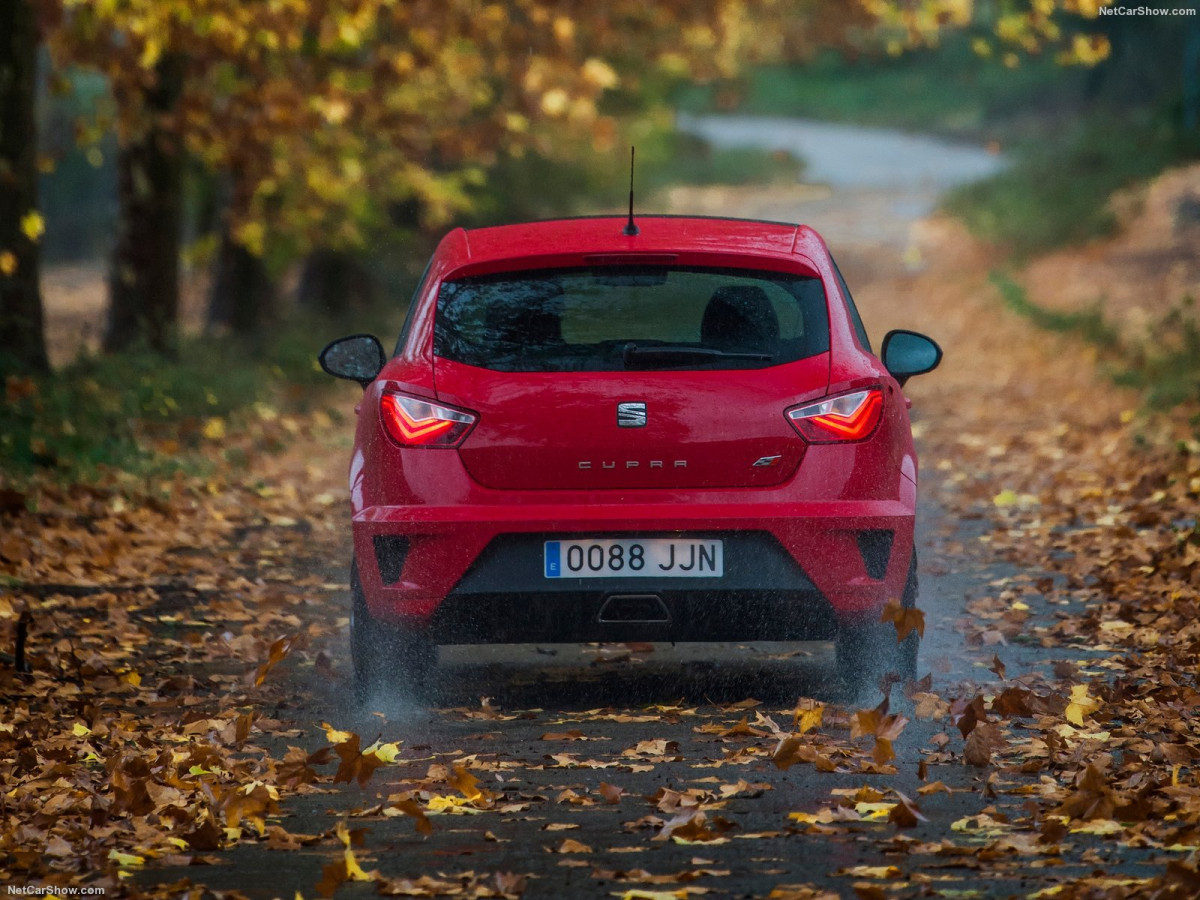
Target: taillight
[(411, 422), (850, 417)]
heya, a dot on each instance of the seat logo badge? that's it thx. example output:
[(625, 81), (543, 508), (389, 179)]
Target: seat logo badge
[(765, 461), (631, 415)]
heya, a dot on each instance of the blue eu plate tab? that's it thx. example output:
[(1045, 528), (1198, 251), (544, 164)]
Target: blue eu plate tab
[(553, 563)]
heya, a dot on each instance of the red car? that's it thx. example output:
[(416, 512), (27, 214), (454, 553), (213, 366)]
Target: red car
[(596, 431)]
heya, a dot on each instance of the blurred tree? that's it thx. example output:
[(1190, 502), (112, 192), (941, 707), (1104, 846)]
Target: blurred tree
[(141, 48), (1006, 29), (326, 116), (1137, 59), (22, 344), (144, 282)]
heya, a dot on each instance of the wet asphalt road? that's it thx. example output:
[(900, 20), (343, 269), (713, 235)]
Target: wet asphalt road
[(666, 694)]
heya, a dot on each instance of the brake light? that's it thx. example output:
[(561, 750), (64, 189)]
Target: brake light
[(850, 417), (411, 422)]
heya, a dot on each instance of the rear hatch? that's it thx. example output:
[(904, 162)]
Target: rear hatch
[(631, 377)]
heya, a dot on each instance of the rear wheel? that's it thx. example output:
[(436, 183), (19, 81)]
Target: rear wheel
[(388, 659), (865, 653)]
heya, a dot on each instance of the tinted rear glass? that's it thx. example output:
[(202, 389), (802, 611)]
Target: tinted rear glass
[(631, 318)]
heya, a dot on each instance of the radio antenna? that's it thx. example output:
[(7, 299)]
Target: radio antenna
[(631, 228)]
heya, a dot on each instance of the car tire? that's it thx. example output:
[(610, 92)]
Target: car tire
[(388, 660), (866, 653)]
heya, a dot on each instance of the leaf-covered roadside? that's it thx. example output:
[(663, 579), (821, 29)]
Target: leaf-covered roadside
[(1095, 505), (152, 615)]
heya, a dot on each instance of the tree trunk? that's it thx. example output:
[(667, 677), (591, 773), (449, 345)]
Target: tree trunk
[(144, 284), (334, 284), (22, 340), (243, 294), (1191, 76)]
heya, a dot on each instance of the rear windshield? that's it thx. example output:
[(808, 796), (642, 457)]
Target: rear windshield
[(631, 318)]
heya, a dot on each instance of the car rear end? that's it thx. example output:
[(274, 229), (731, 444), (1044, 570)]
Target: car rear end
[(590, 436)]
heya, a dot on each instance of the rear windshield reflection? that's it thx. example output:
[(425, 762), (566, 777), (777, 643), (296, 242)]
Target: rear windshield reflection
[(631, 318)]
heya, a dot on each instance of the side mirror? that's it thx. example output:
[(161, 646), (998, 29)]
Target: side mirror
[(359, 357), (907, 353)]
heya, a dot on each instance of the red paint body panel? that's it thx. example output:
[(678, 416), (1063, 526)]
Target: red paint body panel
[(554, 431), (518, 471)]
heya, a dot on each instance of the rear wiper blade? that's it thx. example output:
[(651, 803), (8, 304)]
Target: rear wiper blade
[(668, 354)]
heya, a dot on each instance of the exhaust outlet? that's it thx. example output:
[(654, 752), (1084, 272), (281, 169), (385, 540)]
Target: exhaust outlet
[(634, 609)]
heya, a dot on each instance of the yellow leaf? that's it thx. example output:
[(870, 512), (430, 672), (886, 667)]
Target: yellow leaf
[(1081, 705), (151, 53), (808, 719), (385, 752), (80, 730), (125, 859), (889, 872), (873, 810), (33, 226), (599, 73), (354, 871), (640, 894), (342, 833), (252, 236), (8, 263), (555, 102), (334, 736), (1099, 826), (1007, 497), (214, 428), (440, 804), (132, 678)]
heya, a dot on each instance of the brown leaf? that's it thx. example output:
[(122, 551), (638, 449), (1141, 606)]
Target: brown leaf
[(333, 876), (355, 765), (611, 793), (693, 826), (906, 619), (1012, 701), (997, 666), (205, 836), (742, 729), (571, 846), (882, 752), (981, 743), (415, 811), (793, 750), (465, 783), (278, 653), (572, 735), (659, 747), (1093, 798), (905, 814), (966, 714)]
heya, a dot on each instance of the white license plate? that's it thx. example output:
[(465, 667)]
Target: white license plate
[(647, 558)]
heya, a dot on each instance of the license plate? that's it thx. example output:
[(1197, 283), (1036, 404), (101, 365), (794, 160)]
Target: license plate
[(647, 558)]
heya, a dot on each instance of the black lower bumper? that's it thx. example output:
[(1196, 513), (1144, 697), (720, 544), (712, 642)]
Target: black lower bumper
[(504, 598)]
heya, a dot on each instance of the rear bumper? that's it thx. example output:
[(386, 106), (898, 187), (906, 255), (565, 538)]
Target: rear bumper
[(474, 573)]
